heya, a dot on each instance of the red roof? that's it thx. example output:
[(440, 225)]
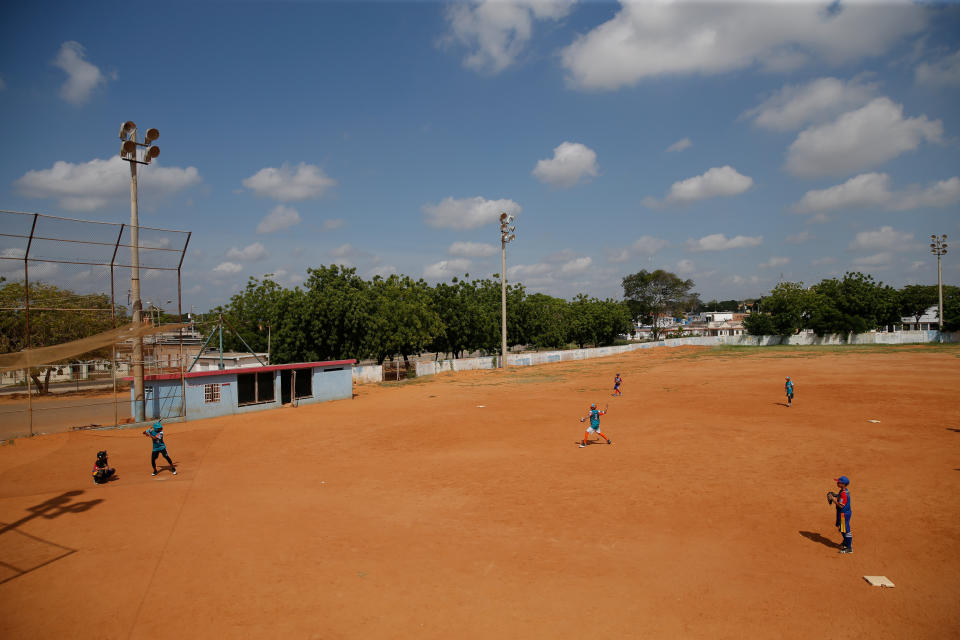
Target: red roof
[(269, 367)]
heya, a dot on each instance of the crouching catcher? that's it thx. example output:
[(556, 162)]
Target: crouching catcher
[(102, 473)]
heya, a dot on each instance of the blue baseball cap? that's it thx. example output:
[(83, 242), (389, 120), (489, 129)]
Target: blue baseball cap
[(843, 480)]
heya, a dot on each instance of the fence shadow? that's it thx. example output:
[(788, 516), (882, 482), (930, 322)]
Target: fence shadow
[(32, 552)]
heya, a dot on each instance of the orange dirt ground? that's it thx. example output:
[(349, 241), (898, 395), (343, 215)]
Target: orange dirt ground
[(411, 512)]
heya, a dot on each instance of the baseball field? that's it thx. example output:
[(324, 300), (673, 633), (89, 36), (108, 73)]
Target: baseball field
[(459, 506)]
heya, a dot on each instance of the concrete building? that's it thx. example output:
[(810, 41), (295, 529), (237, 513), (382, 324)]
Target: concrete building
[(230, 391), (929, 321)]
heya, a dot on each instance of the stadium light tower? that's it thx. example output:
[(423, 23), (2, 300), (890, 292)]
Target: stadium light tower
[(506, 235), (938, 247), (129, 151)]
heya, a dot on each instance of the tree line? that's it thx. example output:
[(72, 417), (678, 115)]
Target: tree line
[(855, 303), (336, 314)]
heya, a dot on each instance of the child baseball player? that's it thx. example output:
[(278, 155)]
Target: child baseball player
[(102, 473), (616, 385), (159, 447), (594, 427), (788, 386), (841, 500)]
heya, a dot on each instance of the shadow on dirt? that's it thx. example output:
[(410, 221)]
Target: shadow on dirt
[(816, 537), (32, 552)]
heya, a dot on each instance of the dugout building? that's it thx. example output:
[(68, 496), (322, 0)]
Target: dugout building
[(223, 392)]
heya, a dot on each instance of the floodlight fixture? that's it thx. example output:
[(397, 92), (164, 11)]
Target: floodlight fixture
[(126, 129), (128, 149), (152, 134), (150, 153)]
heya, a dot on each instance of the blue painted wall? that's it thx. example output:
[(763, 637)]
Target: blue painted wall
[(164, 396)]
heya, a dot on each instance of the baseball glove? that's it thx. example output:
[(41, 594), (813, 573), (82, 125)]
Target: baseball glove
[(831, 496)]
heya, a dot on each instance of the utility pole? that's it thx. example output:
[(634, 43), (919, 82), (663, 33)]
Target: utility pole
[(938, 247), (506, 235), (128, 151)]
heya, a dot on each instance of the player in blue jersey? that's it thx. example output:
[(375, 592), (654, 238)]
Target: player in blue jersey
[(594, 428), (159, 447), (788, 387), (616, 385)]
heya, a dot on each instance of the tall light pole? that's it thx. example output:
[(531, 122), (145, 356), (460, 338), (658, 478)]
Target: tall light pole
[(938, 247), (506, 235), (129, 150)]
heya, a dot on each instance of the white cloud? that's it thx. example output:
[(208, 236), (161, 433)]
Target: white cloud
[(685, 267), (82, 77), (716, 182), (576, 266), (252, 252), (822, 261), (647, 39), (495, 32), (342, 251), (571, 162), (720, 242), (776, 261), (867, 136), (886, 238), (680, 145), (93, 185), (649, 245), (447, 269), (228, 268), (917, 265), (383, 270), (618, 255), (526, 270), (944, 72), (333, 223), (467, 213), (472, 249), (797, 105), (740, 280), (873, 190), (286, 185), (877, 260), (799, 238), (279, 218)]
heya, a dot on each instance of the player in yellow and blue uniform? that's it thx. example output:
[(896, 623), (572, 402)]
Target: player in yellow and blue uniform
[(788, 387), (617, 381)]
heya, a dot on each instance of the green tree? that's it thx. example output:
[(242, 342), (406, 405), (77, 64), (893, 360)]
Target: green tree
[(402, 319), (649, 294), (915, 299), (759, 324), (855, 304), (56, 316), (335, 314), (787, 304), (544, 320)]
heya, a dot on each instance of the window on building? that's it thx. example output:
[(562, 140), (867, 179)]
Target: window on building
[(211, 392), (304, 384), (254, 388)]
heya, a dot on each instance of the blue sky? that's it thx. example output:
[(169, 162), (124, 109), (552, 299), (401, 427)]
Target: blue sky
[(733, 144)]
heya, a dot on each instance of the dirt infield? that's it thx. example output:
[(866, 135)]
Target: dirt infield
[(413, 512)]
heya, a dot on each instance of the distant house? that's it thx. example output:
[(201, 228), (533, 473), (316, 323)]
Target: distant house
[(929, 321)]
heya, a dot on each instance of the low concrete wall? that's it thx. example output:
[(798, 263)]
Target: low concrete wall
[(545, 357), (367, 373)]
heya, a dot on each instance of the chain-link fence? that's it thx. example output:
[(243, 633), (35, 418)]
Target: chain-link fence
[(64, 280)]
